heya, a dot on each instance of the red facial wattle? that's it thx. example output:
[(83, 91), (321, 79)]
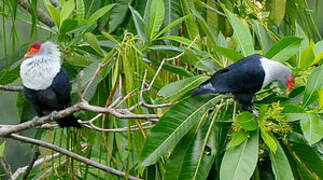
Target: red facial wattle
[(34, 49), (290, 83)]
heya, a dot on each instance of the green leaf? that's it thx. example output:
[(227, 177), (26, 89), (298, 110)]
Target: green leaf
[(201, 153), (68, 25), (280, 163), (312, 128), (66, 11), (320, 104), (172, 25), (299, 32), (54, 13), (269, 140), (247, 121), (240, 161), (179, 39), (277, 11), (118, 14), (307, 56), (284, 49), (191, 26), (157, 15), (227, 52), (314, 84), (173, 125), (318, 57), (262, 35), (93, 41), (99, 13), (140, 24), (237, 139), (241, 33), (294, 113), (318, 48), (307, 157), (77, 60), (2, 149), (181, 87), (80, 8), (173, 13)]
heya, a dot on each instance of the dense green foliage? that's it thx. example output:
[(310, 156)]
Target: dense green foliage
[(198, 137)]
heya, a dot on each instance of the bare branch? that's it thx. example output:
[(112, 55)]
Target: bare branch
[(32, 162), (11, 88), (92, 79), (6, 167), (71, 154), (42, 16), (212, 9), (79, 86), (40, 161)]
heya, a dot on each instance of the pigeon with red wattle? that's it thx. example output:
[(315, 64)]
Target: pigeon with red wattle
[(246, 77), (46, 83)]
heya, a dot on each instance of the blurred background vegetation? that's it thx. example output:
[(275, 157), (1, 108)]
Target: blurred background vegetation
[(138, 34)]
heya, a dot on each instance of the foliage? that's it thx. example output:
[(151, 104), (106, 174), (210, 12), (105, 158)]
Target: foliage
[(198, 137)]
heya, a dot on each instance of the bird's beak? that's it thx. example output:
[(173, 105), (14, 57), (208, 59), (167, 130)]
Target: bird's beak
[(27, 54)]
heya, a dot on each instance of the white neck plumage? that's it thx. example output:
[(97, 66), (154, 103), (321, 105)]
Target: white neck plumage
[(38, 71), (274, 71)]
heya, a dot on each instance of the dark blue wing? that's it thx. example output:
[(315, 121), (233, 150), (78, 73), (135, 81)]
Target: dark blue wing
[(62, 88)]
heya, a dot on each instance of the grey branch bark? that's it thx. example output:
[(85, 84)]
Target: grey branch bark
[(32, 162), (11, 88), (72, 155), (42, 16), (6, 167)]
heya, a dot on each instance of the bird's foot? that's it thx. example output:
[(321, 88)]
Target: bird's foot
[(52, 115)]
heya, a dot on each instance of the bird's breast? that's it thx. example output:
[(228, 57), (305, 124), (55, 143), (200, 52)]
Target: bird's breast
[(38, 74)]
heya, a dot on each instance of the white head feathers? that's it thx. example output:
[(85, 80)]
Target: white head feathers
[(38, 71)]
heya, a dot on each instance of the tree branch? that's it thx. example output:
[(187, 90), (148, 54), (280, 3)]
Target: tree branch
[(11, 88), (72, 155), (32, 162), (6, 167), (42, 16)]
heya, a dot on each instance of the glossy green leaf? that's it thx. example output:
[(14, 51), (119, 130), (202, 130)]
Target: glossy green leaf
[(299, 32), (54, 13), (307, 56), (94, 43), (280, 163), (294, 113), (240, 161), (181, 87), (173, 125), (201, 154), (99, 13), (312, 128), (2, 149), (66, 11), (68, 25), (80, 8), (241, 33), (179, 39), (238, 138), (157, 15), (314, 84), (247, 121), (308, 157), (284, 49), (318, 48), (77, 60), (118, 14), (172, 25), (318, 57), (262, 35), (227, 52), (269, 140), (277, 11), (190, 25), (140, 24), (320, 104), (173, 11)]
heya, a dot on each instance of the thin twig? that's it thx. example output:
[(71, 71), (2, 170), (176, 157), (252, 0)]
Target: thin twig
[(6, 167), (32, 162), (11, 88), (92, 79), (71, 154), (212, 9)]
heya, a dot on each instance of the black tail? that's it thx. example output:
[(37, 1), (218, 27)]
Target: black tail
[(69, 121)]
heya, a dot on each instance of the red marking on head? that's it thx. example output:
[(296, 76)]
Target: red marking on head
[(290, 82), (34, 49)]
